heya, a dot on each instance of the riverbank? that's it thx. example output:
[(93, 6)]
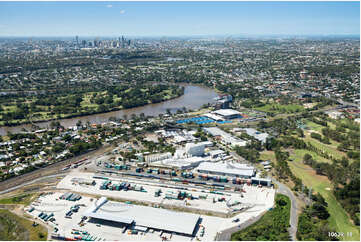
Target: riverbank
[(16, 123), (194, 97), (88, 107)]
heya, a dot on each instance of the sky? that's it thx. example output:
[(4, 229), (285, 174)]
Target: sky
[(178, 18)]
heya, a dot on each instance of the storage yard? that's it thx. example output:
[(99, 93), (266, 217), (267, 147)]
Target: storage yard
[(93, 219), (149, 210)]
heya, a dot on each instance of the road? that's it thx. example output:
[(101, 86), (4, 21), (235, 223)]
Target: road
[(283, 189)]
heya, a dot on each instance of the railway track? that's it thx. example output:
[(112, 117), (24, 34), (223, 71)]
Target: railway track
[(52, 169)]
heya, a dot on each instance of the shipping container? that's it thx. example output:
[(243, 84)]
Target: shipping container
[(223, 179), (139, 170), (203, 177), (100, 177), (203, 196), (187, 175)]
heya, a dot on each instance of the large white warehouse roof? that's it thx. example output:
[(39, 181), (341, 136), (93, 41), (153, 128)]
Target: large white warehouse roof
[(156, 218), (233, 169)]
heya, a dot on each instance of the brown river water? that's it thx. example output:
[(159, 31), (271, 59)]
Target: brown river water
[(194, 97)]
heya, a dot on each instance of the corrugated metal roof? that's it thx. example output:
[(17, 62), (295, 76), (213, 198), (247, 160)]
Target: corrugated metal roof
[(146, 216), (227, 168)]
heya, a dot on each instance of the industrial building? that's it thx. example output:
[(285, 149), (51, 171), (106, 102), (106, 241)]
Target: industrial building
[(195, 149), (189, 157), (157, 157), (216, 153), (226, 138), (181, 163), (143, 217), (223, 101), (256, 134), (261, 181), (207, 143), (177, 136), (227, 169)]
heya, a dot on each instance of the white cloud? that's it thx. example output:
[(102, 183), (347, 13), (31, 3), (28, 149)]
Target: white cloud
[(109, 6), (122, 11)]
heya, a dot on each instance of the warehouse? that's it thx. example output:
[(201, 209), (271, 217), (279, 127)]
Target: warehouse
[(256, 134), (181, 163), (227, 169), (195, 149), (261, 181), (226, 138), (144, 217)]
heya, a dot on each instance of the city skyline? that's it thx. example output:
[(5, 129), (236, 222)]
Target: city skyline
[(53, 19)]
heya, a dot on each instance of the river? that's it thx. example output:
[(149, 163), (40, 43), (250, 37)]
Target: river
[(194, 97)]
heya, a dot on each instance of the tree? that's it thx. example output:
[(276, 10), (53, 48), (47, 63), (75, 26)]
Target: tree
[(307, 158), (79, 123), (320, 210), (300, 133)]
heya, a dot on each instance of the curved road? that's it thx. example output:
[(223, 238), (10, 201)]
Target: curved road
[(283, 189)]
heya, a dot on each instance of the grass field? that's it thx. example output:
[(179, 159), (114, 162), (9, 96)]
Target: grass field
[(316, 127), (329, 148), (268, 155), (15, 228), (339, 219), (25, 199), (279, 108), (298, 155), (313, 126)]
